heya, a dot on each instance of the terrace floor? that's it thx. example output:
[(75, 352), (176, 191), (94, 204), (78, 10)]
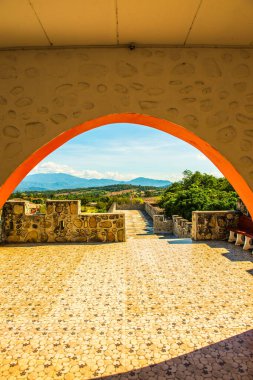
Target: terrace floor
[(150, 308)]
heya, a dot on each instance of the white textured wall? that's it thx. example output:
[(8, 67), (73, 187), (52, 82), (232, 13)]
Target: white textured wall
[(45, 92)]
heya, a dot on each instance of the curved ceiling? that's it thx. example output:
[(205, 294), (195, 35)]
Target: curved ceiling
[(31, 23)]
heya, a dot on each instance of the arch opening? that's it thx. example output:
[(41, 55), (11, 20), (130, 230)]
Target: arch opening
[(224, 166)]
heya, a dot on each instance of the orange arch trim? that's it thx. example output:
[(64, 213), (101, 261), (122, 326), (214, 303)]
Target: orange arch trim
[(218, 160)]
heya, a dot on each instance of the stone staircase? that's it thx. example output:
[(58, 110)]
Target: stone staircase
[(139, 225)]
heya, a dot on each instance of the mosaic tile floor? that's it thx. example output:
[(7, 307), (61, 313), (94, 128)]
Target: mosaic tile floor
[(149, 308)]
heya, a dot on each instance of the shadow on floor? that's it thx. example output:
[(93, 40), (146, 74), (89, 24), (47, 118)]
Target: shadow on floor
[(239, 256), (174, 240), (234, 252), (230, 359)]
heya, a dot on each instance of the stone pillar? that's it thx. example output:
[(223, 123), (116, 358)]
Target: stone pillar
[(213, 225)]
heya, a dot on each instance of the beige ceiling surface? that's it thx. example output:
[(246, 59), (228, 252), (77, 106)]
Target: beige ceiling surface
[(115, 22)]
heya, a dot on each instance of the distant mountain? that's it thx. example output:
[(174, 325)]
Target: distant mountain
[(59, 181), (141, 181)]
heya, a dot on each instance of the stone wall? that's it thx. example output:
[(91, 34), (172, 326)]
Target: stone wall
[(213, 225), (162, 225), (130, 206), (205, 225), (242, 208), (62, 222), (113, 208), (153, 209), (182, 228), (176, 225)]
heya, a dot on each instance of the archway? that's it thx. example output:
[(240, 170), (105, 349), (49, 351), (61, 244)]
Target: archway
[(225, 167), (73, 263)]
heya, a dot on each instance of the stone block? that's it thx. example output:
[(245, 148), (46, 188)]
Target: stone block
[(93, 222), (32, 237), (73, 208), (121, 235), (120, 223), (58, 208), (110, 236), (105, 224), (77, 223), (18, 209)]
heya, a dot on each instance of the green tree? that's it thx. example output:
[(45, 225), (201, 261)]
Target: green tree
[(197, 192)]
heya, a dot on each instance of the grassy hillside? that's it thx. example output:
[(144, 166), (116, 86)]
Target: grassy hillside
[(94, 199)]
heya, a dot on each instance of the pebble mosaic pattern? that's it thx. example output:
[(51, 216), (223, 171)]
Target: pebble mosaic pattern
[(45, 92), (149, 308), (62, 222)]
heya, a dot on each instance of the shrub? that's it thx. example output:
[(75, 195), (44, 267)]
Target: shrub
[(198, 192)]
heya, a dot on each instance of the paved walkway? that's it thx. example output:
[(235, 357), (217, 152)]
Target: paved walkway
[(149, 308), (139, 225)]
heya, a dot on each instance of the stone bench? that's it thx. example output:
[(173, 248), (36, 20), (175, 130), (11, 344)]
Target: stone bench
[(242, 234)]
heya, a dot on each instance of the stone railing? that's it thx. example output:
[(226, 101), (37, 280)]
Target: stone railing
[(130, 206), (62, 222), (241, 207), (113, 208), (182, 228), (177, 225), (213, 225), (153, 209), (162, 225)]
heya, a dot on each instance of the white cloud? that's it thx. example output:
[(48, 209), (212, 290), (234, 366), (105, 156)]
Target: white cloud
[(53, 167), (174, 177), (201, 157)]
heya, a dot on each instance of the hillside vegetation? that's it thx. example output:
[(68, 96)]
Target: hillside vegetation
[(197, 192), (94, 199)]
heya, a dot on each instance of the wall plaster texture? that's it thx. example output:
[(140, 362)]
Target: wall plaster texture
[(45, 92)]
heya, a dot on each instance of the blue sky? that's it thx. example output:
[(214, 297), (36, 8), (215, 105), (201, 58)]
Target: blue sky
[(125, 151)]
